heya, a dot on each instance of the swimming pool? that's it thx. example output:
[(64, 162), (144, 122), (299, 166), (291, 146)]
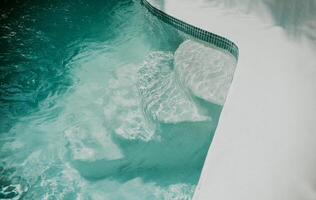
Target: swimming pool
[(102, 100)]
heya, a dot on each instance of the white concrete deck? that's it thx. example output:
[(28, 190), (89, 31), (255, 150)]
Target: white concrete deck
[(265, 144)]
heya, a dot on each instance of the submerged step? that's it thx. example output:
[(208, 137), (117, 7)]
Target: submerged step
[(206, 72), (148, 112), (163, 99)]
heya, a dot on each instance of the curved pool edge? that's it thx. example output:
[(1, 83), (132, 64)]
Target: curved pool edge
[(203, 35)]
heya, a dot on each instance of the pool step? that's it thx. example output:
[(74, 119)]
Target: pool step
[(163, 99), (167, 103), (205, 72)]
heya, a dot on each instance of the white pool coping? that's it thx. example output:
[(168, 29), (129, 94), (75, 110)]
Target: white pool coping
[(265, 143)]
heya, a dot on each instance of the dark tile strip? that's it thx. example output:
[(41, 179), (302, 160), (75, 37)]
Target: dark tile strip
[(196, 32)]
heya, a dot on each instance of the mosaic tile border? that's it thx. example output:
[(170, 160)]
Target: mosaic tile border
[(196, 32)]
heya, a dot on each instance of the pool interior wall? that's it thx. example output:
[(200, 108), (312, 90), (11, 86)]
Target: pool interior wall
[(101, 100)]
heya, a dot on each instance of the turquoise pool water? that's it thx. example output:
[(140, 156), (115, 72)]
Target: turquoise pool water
[(101, 100)]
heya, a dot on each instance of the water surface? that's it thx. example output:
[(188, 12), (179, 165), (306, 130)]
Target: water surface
[(98, 101)]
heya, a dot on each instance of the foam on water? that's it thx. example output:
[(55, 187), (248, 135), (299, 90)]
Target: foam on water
[(121, 106), (90, 142)]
